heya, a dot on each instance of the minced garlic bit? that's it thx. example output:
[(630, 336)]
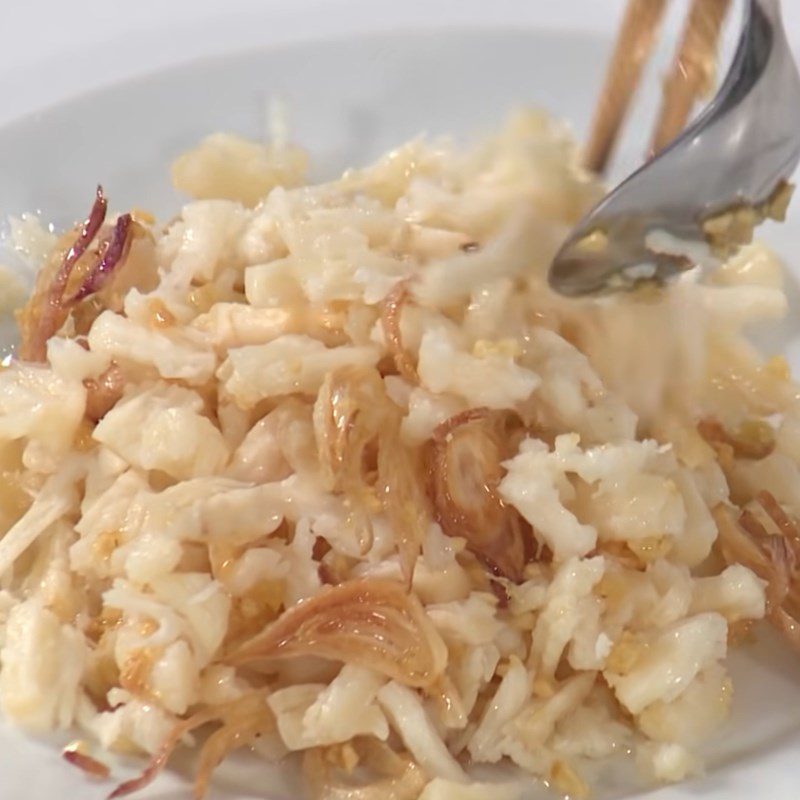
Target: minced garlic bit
[(730, 228), (778, 204), (344, 756), (626, 653)]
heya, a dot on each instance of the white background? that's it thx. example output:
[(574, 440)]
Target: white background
[(53, 49)]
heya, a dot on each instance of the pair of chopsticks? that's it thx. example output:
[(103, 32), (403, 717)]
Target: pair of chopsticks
[(691, 76)]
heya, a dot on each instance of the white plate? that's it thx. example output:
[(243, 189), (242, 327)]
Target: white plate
[(349, 100)]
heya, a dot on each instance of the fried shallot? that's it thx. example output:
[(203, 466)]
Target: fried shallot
[(242, 720), (75, 755), (465, 470), (391, 310), (357, 430), (766, 540), (753, 440), (51, 302), (373, 623), (401, 481)]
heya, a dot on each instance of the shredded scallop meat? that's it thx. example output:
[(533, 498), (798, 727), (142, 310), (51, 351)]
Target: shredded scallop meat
[(330, 470)]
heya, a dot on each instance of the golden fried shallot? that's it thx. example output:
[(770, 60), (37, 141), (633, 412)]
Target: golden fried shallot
[(373, 623), (465, 469), (242, 720), (74, 753), (401, 481), (754, 440), (773, 556), (50, 304), (391, 311), (357, 430), (349, 414)]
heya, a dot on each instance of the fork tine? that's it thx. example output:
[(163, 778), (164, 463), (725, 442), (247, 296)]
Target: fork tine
[(693, 72), (634, 45)]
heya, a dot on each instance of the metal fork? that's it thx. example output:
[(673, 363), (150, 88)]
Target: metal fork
[(727, 171)]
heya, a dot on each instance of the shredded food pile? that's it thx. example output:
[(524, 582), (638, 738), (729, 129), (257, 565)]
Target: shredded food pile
[(329, 470)]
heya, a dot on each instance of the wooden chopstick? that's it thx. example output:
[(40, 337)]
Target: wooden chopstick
[(634, 45), (693, 71)]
